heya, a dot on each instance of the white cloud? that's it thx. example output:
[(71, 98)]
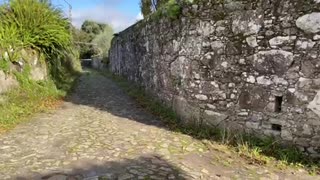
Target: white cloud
[(103, 14), (139, 16)]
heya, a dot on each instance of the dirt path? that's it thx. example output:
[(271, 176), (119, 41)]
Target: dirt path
[(100, 133)]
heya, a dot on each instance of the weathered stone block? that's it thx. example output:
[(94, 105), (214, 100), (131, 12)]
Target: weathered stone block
[(247, 22), (315, 104), (309, 23), (189, 113), (272, 62), (254, 98), (213, 118)]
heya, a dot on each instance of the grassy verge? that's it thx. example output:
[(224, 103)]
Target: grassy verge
[(31, 97), (260, 151)]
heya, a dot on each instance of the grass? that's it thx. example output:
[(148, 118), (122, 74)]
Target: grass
[(31, 97), (259, 151)]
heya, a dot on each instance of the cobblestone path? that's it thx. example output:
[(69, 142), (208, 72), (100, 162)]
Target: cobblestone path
[(100, 133)]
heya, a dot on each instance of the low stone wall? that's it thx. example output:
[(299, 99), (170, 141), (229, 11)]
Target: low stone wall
[(251, 65)]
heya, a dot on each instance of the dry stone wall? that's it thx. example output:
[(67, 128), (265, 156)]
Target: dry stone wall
[(251, 65)]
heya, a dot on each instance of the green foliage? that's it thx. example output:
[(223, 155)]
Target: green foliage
[(150, 6), (145, 6), (4, 65), (172, 9), (29, 98), (85, 50), (95, 39), (92, 27), (30, 23), (103, 41), (166, 8)]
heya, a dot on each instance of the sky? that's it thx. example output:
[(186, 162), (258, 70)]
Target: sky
[(120, 14)]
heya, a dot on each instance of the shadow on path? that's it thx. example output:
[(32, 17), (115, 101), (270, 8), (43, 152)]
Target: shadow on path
[(144, 167)]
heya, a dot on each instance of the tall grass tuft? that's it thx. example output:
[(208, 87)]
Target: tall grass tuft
[(35, 24)]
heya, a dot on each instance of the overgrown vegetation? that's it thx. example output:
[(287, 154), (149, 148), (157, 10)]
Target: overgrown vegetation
[(159, 8), (30, 23), (34, 26), (261, 151), (94, 38)]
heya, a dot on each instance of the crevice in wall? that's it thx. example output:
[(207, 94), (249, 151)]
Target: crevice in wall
[(276, 127), (278, 104)]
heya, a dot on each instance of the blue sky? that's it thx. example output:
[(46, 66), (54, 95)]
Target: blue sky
[(118, 13)]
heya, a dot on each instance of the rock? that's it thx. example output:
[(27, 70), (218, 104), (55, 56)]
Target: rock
[(264, 81), (7, 82), (218, 46), (252, 41), (279, 81), (253, 125), (272, 61), (38, 73), (251, 79), (213, 118), (286, 135), (307, 130), (185, 110), (231, 5), (178, 67), (316, 37), (224, 64), (303, 45), (280, 40), (314, 105), (309, 23), (247, 22)]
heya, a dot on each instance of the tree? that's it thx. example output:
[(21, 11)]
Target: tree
[(150, 6), (92, 28), (145, 6), (95, 33), (103, 40)]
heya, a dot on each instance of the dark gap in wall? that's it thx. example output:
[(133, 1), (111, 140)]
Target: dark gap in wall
[(278, 104), (276, 127)]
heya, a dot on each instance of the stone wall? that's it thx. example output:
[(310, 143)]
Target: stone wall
[(252, 65)]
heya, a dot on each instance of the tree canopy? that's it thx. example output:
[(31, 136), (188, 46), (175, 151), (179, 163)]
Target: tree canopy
[(96, 33)]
